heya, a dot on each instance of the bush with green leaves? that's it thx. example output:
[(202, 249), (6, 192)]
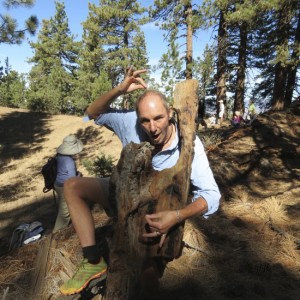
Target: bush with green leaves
[(102, 166)]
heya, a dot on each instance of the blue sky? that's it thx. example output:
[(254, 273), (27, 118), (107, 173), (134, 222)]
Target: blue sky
[(77, 12)]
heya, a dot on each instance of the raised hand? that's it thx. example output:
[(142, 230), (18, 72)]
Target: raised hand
[(133, 81)]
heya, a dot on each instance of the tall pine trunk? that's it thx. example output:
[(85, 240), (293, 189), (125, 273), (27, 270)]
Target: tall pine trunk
[(221, 65), (189, 41), (292, 69), (241, 72), (284, 18)]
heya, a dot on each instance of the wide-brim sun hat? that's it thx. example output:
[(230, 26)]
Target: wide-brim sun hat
[(71, 145)]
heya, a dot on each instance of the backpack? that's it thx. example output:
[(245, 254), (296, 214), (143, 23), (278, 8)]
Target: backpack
[(49, 171), (25, 234)]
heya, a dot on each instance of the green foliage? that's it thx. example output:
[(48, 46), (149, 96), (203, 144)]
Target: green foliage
[(273, 51), (88, 88), (68, 75), (204, 73), (12, 88), (102, 166), (180, 21), (171, 65), (10, 33), (52, 76), (112, 41)]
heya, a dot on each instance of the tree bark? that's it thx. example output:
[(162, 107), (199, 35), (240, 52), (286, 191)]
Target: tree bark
[(283, 28), (189, 41), (292, 68), (137, 189), (221, 65), (241, 72)]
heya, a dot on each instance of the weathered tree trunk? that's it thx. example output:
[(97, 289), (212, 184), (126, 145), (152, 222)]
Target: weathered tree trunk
[(137, 189), (41, 267)]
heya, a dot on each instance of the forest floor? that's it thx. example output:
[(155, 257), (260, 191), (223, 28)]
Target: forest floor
[(250, 249)]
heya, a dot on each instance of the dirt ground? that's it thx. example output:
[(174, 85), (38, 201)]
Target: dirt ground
[(250, 249)]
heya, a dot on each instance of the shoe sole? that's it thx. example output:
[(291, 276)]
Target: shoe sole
[(32, 239), (101, 275)]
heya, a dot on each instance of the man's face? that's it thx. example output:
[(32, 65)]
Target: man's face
[(154, 119)]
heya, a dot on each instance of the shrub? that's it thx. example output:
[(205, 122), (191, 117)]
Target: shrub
[(102, 166), (210, 139)]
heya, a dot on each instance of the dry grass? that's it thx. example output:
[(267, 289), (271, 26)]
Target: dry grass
[(249, 250)]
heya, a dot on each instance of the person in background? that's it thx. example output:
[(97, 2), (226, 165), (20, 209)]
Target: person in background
[(252, 110), (221, 111), (212, 120), (246, 118), (66, 168), (237, 119)]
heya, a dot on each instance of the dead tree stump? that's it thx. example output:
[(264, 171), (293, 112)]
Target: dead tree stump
[(137, 189)]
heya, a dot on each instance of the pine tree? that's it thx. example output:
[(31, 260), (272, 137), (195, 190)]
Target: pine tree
[(292, 67), (241, 18), (276, 54), (213, 14), (285, 16), (171, 66), (12, 88), (52, 76), (179, 20), (204, 70), (112, 36), (9, 33)]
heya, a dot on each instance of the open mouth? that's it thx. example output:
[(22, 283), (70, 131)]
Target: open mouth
[(155, 137)]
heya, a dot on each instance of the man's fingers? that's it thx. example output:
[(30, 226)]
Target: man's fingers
[(141, 82), (138, 72), (153, 234), (162, 240), (130, 71)]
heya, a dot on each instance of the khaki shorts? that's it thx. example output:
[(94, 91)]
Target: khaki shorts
[(104, 201)]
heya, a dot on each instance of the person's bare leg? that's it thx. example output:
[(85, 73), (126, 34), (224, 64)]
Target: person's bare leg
[(77, 191)]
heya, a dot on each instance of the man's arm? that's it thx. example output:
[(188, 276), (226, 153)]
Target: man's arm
[(132, 82), (163, 221), (205, 200)]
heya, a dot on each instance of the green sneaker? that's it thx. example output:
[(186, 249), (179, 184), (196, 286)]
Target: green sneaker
[(85, 273)]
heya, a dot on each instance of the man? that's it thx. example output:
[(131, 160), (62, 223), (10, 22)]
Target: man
[(152, 121)]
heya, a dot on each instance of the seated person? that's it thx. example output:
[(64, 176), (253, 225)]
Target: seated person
[(236, 120), (213, 120), (151, 121)]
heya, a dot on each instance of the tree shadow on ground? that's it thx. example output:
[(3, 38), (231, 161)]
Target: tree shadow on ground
[(22, 133), (243, 272), (258, 156)]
